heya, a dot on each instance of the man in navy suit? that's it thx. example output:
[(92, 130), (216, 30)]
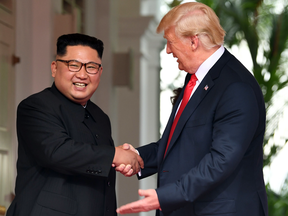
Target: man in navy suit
[(66, 152), (211, 164)]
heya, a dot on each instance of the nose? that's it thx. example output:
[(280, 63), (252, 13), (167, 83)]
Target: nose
[(168, 50), (82, 74)]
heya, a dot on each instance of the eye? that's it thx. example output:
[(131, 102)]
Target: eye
[(92, 66), (169, 42), (74, 64)]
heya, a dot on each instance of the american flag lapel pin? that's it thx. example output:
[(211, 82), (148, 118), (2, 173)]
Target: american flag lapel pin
[(206, 87)]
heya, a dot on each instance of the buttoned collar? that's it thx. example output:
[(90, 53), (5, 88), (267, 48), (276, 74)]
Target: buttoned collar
[(77, 109)]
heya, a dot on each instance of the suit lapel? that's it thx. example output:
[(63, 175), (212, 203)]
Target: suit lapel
[(202, 90), (191, 106), (164, 139)]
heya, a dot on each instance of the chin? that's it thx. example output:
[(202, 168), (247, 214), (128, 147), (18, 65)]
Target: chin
[(180, 67)]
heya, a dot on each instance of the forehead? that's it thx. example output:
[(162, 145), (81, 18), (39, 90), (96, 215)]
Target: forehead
[(169, 33), (80, 51)]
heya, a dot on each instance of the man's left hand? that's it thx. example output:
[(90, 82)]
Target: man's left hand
[(150, 202)]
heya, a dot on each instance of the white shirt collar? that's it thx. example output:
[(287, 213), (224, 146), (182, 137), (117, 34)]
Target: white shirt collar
[(205, 67), (208, 63)]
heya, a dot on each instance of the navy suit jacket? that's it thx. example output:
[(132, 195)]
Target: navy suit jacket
[(213, 165), (64, 162)]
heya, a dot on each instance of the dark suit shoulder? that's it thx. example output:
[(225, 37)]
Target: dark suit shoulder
[(45, 93), (45, 96), (235, 70)]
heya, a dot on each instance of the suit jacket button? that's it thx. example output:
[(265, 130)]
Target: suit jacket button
[(108, 183)]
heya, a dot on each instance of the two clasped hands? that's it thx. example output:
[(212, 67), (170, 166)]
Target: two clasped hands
[(128, 162)]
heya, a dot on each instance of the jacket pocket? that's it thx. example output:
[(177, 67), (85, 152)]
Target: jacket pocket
[(57, 202), (215, 207)]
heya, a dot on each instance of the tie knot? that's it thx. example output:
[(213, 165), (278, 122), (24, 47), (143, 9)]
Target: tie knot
[(193, 78)]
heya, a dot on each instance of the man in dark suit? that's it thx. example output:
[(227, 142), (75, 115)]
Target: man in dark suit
[(211, 164), (66, 151)]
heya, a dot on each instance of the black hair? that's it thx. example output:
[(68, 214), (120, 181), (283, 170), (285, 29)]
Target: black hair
[(177, 93), (78, 39)]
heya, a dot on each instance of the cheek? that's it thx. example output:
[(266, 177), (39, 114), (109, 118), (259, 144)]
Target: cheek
[(95, 81), (63, 79), (66, 75)]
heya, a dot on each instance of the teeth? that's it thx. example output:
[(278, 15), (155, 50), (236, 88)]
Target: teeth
[(80, 84)]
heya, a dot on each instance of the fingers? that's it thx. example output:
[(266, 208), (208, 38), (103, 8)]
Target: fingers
[(126, 158), (120, 168), (134, 207), (129, 173), (150, 202), (127, 168)]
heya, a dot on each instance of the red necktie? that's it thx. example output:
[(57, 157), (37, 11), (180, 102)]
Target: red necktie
[(187, 92)]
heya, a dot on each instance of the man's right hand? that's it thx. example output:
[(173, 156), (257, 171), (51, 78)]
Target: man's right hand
[(125, 157)]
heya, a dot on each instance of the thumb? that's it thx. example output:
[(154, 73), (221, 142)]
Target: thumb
[(126, 146), (142, 192)]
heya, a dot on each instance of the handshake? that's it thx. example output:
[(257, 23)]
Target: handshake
[(127, 160)]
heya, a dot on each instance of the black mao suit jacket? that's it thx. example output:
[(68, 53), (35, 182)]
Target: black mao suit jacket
[(64, 158), (213, 165)]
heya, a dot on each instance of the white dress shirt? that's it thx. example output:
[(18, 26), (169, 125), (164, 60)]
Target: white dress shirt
[(204, 68)]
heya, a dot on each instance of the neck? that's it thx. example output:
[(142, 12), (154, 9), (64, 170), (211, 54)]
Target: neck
[(202, 54)]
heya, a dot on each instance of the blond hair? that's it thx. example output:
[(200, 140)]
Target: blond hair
[(194, 18)]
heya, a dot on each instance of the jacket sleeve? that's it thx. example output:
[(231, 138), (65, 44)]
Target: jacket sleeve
[(149, 156)]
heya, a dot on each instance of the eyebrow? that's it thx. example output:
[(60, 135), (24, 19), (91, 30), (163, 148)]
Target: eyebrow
[(86, 62)]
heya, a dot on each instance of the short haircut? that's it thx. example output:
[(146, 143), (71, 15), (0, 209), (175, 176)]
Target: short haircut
[(194, 18), (78, 39)]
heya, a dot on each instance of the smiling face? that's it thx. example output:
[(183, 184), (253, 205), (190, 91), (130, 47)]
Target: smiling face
[(182, 49), (76, 86)]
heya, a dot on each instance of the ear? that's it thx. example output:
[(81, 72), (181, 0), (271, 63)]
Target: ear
[(100, 71), (194, 42), (53, 68)]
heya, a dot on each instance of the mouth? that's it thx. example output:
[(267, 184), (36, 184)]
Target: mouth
[(80, 85)]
